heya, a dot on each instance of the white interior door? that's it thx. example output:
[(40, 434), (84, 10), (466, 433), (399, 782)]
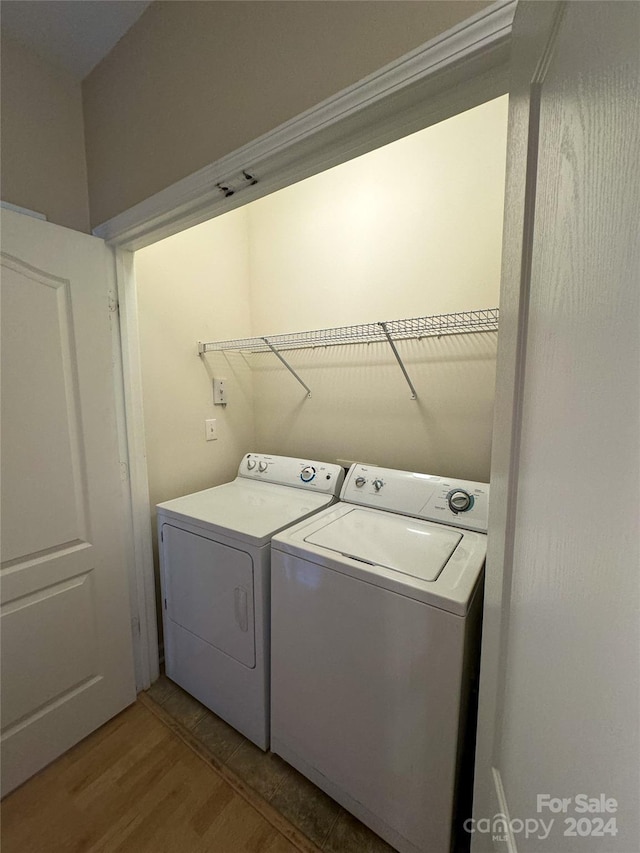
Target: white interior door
[(65, 621)]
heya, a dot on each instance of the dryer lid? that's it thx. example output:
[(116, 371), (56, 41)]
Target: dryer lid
[(413, 547), (245, 510)]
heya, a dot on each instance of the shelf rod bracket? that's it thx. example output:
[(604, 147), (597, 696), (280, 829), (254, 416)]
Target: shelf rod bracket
[(414, 395), (287, 365)]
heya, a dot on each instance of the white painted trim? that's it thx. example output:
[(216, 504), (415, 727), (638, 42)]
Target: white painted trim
[(503, 807), (197, 197), (123, 455), (24, 210), (143, 582)]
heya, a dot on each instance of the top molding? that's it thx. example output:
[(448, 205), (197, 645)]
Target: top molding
[(198, 197)]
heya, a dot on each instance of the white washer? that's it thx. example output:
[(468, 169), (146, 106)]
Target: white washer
[(214, 570), (375, 614)]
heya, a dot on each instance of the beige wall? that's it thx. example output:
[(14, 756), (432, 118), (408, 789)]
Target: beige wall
[(193, 81), (409, 230), (412, 229), (193, 286), (43, 157)]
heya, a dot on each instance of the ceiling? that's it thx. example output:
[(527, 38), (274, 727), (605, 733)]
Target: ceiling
[(72, 34)]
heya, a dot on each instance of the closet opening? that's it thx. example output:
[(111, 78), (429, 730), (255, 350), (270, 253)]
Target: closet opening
[(410, 230)]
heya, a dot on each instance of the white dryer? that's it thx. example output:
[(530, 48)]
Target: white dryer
[(376, 613), (214, 570)]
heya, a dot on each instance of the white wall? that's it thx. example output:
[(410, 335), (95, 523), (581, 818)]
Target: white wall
[(411, 229)]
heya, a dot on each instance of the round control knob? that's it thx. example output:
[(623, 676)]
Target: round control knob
[(377, 485), (251, 464), (262, 466), (360, 481), (459, 500), (307, 474)]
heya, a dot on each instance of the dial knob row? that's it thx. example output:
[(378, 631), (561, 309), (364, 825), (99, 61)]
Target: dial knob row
[(377, 484)]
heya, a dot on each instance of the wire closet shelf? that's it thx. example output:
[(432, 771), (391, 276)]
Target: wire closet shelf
[(390, 331), (465, 322)]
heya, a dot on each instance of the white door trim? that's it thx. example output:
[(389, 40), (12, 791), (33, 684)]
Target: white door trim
[(459, 69), (142, 584)]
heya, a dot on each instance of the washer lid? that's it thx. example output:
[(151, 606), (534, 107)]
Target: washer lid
[(413, 547)]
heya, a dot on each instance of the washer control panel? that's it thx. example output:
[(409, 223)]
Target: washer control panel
[(289, 471), (460, 503)]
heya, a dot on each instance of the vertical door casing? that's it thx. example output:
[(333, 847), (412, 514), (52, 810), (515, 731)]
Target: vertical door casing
[(67, 661), (532, 31), (565, 718)]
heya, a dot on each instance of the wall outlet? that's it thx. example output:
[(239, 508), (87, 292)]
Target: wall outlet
[(219, 392), (210, 429)]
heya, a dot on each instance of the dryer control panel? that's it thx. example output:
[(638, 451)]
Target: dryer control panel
[(321, 477), (460, 503)]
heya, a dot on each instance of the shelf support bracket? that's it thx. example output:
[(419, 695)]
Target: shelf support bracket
[(287, 365), (414, 395)]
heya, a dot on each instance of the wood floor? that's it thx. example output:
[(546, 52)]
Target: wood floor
[(134, 785)]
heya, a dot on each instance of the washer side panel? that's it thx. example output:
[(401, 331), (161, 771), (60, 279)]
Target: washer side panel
[(366, 690)]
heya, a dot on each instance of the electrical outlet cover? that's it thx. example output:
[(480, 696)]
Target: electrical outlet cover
[(219, 392), (210, 429)]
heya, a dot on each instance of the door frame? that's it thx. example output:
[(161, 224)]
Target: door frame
[(457, 70)]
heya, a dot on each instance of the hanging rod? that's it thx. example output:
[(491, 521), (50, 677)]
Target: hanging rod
[(437, 325)]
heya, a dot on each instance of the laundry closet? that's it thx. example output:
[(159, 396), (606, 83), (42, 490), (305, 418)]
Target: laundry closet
[(410, 230)]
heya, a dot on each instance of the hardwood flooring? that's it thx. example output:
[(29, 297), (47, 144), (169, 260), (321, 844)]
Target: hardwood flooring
[(293, 803), (134, 785)]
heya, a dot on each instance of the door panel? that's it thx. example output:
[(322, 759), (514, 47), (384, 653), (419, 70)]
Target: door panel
[(43, 496), (65, 622), (59, 662)]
